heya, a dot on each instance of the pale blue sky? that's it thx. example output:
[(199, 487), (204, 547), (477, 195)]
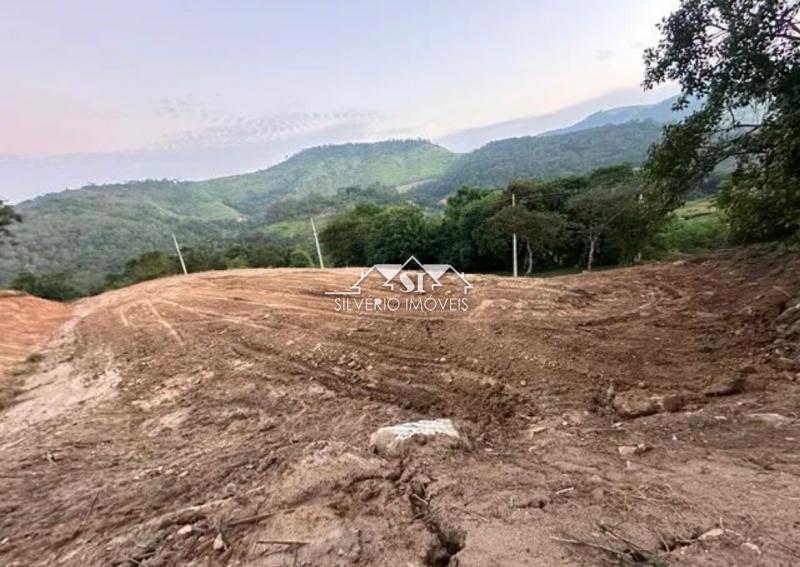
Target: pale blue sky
[(195, 89)]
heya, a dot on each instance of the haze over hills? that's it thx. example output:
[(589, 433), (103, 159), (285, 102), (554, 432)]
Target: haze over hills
[(93, 231), (577, 116), (498, 163), (661, 112)]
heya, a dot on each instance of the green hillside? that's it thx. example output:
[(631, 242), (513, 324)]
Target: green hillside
[(324, 169), (89, 232), (498, 163)]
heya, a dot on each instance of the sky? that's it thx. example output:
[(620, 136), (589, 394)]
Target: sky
[(102, 91)]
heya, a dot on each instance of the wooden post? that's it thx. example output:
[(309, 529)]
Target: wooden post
[(180, 256), (514, 237), (316, 240)]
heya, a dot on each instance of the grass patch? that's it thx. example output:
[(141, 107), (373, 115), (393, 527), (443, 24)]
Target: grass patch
[(10, 388), (34, 358), (11, 384), (696, 227)]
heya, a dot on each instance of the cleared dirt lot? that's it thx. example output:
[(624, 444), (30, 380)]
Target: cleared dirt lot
[(25, 323), (224, 418)]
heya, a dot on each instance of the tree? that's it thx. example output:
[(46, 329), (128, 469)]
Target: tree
[(47, 286), (300, 258), (151, 265), (345, 238), (742, 58), (463, 230), (398, 232), (596, 211), (7, 217), (539, 231), (203, 256)]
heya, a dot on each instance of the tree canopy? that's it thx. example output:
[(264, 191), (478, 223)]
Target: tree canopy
[(567, 222), (7, 217), (742, 59)]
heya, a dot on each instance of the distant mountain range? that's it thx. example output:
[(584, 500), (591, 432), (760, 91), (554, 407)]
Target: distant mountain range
[(661, 112), (92, 231), (551, 123)]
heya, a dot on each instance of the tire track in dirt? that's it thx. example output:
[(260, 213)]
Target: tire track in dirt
[(164, 323), (256, 427)]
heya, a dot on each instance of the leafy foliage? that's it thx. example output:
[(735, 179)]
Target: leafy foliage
[(695, 227), (743, 59), (91, 232), (343, 198), (602, 216), (48, 286), (498, 163), (7, 217)]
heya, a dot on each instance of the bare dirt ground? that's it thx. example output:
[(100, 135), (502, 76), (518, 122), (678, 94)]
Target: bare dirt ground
[(25, 323), (224, 419)]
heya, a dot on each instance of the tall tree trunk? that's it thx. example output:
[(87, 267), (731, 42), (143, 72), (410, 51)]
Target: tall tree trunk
[(592, 244), (528, 257)]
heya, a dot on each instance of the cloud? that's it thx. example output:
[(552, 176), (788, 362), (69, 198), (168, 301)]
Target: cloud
[(177, 107), (603, 54), (219, 145), (218, 130)]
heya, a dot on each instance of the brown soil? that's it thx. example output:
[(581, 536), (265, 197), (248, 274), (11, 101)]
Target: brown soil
[(237, 407), (25, 323)]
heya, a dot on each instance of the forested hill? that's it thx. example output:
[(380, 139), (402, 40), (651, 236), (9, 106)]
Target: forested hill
[(93, 231), (88, 232), (324, 169), (497, 163)]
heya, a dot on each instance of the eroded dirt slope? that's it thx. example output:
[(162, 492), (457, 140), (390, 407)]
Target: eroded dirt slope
[(224, 418), (25, 323)]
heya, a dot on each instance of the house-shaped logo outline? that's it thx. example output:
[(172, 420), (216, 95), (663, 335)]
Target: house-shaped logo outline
[(390, 271)]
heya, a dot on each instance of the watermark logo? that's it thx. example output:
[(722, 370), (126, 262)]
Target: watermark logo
[(415, 281)]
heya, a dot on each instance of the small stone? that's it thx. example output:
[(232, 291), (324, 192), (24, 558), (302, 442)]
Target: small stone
[(727, 387), (397, 440), (774, 419), (785, 363), (630, 405), (712, 534), (219, 543), (532, 501), (185, 530), (533, 431), (672, 402), (629, 450), (752, 547)]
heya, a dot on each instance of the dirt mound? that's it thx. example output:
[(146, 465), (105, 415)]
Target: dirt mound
[(26, 322), (235, 409)]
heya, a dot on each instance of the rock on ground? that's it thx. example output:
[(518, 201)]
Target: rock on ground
[(397, 440)]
